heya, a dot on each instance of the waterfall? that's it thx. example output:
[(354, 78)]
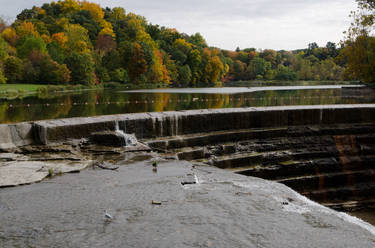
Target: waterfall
[(172, 125), (161, 126), (176, 125), (128, 139), (153, 119), (321, 115)]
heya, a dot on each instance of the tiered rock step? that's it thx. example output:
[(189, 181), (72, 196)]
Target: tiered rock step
[(204, 139), (309, 184), (334, 165)]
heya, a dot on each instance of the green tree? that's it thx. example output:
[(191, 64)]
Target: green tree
[(360, 56), (82, 68), (119, 75), (184, 75), (56, 52), (197, 40), (171, 68), (332, 49), (30, 44), (13, 69), (258, 68), (3, 79), (112, 60), (285, 73), (179, 56), (3, 56), (194, 62), (359, 50), (31, 73), (78, 39), (238, 70), (52, 72), (3, 49), (303, 68), (243, 57), (270, 55)]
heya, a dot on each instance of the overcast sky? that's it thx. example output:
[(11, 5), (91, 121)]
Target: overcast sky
[(275, 24)]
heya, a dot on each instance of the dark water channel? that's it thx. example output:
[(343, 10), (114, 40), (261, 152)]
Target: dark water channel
[(367, 215), (107, 102)]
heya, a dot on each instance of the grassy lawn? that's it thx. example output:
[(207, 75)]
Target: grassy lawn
[(18, 87)]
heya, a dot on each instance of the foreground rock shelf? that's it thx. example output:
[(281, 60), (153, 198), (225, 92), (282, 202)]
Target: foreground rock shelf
[(221, 209)]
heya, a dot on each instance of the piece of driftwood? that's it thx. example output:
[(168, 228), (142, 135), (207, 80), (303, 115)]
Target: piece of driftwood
[(105, 166), (187, 183)]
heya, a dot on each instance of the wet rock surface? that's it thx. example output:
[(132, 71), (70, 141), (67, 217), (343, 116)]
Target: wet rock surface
[(332, 164), (173, 123), (31, 164), (221, 209), (108, 138)]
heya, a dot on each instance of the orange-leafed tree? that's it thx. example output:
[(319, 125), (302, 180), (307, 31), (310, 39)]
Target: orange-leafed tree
[(137, 64), (60, 38), (26, 28), (95, 10)]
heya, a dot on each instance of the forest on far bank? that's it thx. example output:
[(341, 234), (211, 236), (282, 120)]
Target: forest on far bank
[(77, 42)]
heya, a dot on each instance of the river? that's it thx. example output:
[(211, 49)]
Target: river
[(108, 102)]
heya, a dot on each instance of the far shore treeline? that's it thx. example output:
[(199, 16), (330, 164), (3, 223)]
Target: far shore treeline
[(77, 42)]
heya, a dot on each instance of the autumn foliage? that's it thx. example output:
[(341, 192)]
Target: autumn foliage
[(71, 41)]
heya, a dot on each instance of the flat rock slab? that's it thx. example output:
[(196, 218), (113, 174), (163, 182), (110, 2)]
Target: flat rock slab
[(12, 157), (216, 209), (26, 172), (140, 147), (19, 173), (68, 166)]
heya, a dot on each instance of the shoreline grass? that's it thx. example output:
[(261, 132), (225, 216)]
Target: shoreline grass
[(20, 87), (13, 91)]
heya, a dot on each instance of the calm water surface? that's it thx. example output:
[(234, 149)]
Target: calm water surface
[(107, 102)]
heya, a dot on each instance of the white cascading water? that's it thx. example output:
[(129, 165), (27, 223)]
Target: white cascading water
[(129, 140), (176, 125)]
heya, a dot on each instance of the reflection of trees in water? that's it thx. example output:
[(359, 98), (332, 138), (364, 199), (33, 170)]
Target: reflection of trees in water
[(3, 112), (114, 102), (38, 111)]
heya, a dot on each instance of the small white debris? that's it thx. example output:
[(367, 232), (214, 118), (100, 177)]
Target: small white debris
[(107, 216)]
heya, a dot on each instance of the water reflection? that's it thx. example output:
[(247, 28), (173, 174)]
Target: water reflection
[(105, 102), (239, 90)]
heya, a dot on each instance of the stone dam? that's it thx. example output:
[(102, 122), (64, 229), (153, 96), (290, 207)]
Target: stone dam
[(326, 153), (191, 179)]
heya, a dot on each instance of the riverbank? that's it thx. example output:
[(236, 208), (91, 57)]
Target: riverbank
[(259, 83), (19, 91)]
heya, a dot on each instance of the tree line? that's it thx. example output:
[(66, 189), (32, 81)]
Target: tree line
[(359, 43), (78, 42)]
